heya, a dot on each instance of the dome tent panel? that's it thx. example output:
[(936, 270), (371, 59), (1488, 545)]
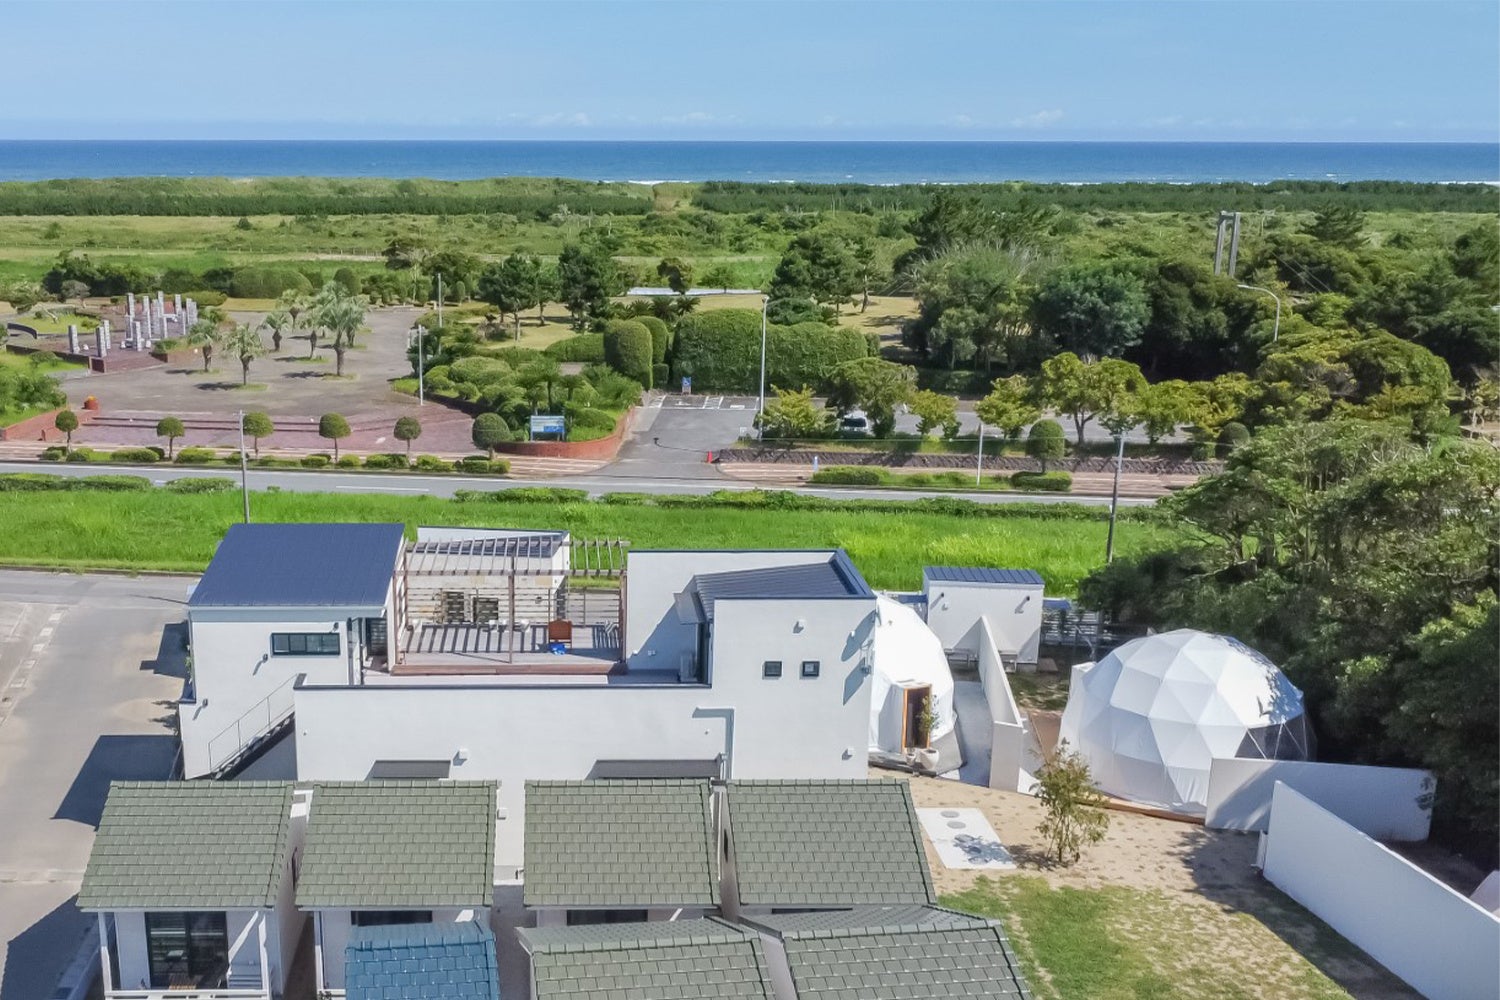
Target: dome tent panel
[(906, 656)]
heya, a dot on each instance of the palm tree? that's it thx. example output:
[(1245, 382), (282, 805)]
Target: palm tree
[(294, 304), (205, 336), (342, 315), (278, 321), (244, 343)]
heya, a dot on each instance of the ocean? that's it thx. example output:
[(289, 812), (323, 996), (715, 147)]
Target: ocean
[(816, 162)]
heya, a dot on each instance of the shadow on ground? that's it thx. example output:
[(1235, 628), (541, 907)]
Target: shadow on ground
[(171, 653), (36, 957), (115, 758)]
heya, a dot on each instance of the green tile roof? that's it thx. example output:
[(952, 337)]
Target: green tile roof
[(399, 845), (620, 844), (189, 844), (665, 960), (827, 844), (898, 954)]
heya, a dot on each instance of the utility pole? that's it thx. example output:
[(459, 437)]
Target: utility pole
[(760, 406), (440, 300), (1114, 499), (421, 365), (244, 471), (1227, 221), (979, 463)]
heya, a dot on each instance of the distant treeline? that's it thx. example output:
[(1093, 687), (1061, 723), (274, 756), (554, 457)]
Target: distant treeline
[(1367, 196), (518, 196)]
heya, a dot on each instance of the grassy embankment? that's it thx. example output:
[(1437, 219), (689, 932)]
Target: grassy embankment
[(172, 531)]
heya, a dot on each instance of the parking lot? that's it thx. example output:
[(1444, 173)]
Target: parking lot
[(91, 667)]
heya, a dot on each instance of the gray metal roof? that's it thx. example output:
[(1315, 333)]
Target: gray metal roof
[(663, 960), (982, 574), (189, 845), (832, 578), (301, 565)]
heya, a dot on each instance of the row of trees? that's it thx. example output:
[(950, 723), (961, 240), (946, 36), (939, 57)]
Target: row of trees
[(333, 313)]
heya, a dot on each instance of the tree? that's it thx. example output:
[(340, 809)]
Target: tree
[(406, 253), (205, 335), (971, 304), (346, 279), (677, 273), (74, 290), (719, 276), (257, 425), (1073, 811), (342, 315), (488, 431), (819, 266), (333, 427), (244, 343), (586, 278), (794, 414), (22, 295), (67, 422), (1009, 406), (1095, 310), (867, 270), (934, 411), (1083, 390), (627, 349), (1338, 223), (1046, 443), (170, 428), (294, 304), (513, 285), (278, 321), (874, 385), (1165, 406), (408, 429)]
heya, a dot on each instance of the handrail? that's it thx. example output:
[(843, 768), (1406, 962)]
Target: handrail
[(187, 994), (263, 709)]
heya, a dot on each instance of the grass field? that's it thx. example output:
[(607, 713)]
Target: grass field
[(24, 361), (1121, 943), (171, 531)]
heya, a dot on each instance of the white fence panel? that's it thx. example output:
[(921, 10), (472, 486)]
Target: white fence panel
[(1443, 945), (1388, 803), (1008, 735)]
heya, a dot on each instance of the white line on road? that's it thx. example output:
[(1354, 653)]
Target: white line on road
[(382, 489)]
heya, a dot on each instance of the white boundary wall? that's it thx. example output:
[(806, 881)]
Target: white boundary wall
[(1387, 803), (1443, 945), (1008, 734)]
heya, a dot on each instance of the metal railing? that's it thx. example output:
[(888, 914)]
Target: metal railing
[(262, 717), (188, 994)]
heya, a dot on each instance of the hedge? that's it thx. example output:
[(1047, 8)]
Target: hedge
[(588, 418), (522, 494), (850, 475), (431, 463), (661, 337), (315, 461), (267, 282), (627, 349), (142, 456), (196, 485), (720, 351), (195, 456), (386, 462), (481, 464), (31, 482), (586, 347), (1042, 482)]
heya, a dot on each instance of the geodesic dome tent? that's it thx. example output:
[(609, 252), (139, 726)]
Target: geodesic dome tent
[(907, 663), (1151, 716)]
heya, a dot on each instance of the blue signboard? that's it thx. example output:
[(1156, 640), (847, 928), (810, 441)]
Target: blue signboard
[(548, 425), (687, 386)]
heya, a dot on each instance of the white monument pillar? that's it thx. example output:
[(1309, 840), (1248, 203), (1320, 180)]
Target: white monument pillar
[(101, 346), (72, 338), (104, 327)]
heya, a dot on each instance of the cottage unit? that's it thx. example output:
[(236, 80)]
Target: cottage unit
[(382, 854), (454, 961), (192, 884), (1008, 602)]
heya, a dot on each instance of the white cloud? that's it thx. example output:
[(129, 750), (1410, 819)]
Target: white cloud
[(1167, 121), (961, 121), (696, 118), (1039, 120), (578, 119)]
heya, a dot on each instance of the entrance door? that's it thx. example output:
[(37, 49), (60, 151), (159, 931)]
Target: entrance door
[(187, 950), (914, 700)]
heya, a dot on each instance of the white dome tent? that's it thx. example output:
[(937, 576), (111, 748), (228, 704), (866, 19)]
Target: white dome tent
[(908, 663), (1151, 716)]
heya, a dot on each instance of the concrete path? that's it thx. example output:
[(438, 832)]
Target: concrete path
[(89, 686)]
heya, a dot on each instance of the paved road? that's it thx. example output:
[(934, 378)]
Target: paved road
[(622, 477), (89, 680)]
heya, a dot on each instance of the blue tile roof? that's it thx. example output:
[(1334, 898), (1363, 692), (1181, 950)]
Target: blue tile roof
[(450, 961), (979, 574), (301, 565)]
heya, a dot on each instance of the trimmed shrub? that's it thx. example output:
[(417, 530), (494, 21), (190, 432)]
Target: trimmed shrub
[(478, 463), (54, 453), (267, 282), (114, 484), (1203, 451), (850, 475), (588, 418), (276, 463), (208, 297), (83, 456), (431, 463), (1045, 442), (348, 462), (347, 280), (523, 494), (196, 456), (314, 461), (196, 485), (488, 430), (1231, 436), (586, 347), (31, 482), (661, 337), (140, 456), (385, 462), (1042, 482), (661, 374), (627, 349), (720, 351)]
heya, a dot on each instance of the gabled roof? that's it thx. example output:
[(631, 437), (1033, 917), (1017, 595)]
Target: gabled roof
[(980, 574), (399, 845), (680, 959), (832, 578), (827, 844), (897, 953), (301, 565), (189, 845), (620, 844), (438, 961)]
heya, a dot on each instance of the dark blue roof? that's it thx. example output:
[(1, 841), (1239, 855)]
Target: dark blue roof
[(834, 578), (301, 565), (449, 961), (977, 574)]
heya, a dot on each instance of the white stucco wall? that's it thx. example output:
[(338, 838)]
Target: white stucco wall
[(1443, 945), (1387, 803), (244, 946), (954, 611), (1008, 729), (337, 926)]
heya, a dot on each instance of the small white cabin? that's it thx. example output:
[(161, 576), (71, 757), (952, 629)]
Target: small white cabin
[(1009, 600)]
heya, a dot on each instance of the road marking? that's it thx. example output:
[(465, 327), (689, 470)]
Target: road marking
[(383, 489)]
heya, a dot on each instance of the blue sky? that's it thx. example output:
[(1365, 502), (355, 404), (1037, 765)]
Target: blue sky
[(721, 69)]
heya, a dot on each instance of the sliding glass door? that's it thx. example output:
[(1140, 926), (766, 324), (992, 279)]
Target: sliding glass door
[(187, 950)]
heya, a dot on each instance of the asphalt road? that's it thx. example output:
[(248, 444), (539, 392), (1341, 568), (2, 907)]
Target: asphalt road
[(617, 478), (90, 680)]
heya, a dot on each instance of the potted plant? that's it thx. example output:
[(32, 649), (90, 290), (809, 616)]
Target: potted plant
[(926, 757)]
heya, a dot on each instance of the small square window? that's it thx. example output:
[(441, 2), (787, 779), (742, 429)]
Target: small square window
[(809, 668), (771, 669)]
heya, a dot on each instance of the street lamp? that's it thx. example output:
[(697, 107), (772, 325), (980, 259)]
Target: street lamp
[(1275, 330)]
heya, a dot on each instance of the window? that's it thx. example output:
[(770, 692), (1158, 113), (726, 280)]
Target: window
[(579, 917), (389, 918), (187, 949), (771, 669), (304, 644), (809, 668)]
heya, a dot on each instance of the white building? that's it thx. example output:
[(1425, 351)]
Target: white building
[(1008, 600)]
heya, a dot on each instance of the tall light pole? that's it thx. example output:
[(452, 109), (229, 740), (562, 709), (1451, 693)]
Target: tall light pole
[(244, 474), (421, 332), (760, 406), (1114, 499), (1275, 330), (440, 300)]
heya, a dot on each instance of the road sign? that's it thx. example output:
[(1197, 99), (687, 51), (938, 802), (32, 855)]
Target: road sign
[(687, 386), (548, 424)]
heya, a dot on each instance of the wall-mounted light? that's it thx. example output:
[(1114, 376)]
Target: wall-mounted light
[(799, 625), (461, 755)]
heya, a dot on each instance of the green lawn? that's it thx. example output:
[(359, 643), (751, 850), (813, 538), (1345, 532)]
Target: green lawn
[(170, 531), (1120, 943), (24, 361)]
